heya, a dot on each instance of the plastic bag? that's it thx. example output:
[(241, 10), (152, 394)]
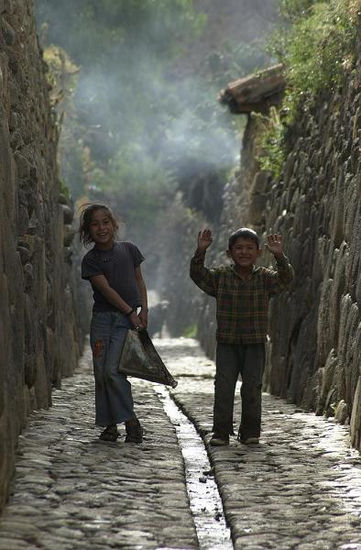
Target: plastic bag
[(140, 359)]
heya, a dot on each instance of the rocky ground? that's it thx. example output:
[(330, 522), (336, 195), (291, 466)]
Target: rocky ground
[(300, 488)]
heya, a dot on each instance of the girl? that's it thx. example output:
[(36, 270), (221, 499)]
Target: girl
[(113, 269)]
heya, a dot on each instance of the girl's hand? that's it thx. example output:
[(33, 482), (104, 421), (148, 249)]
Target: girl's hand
[(136, 320), (204, 239), (275, 245), (143, 316)]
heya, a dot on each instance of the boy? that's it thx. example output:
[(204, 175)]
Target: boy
[(242, 292)]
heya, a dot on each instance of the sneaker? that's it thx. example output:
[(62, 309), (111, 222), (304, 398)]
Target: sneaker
[(249, 440), (219, 440), (134, 431), (109, 434)]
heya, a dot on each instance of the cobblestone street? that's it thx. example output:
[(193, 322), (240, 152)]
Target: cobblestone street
[(300, 488)]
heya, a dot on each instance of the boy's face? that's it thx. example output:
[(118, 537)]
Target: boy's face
[(244, 252), (101, 229)]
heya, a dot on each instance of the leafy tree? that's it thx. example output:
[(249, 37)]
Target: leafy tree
[(124, 49), (135, 89), (142, 129)]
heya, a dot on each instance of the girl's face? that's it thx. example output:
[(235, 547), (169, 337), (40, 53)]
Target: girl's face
[(102, 229)]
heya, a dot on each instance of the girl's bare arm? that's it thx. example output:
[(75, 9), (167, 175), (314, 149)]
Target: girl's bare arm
[(143, 295), (101, 284)]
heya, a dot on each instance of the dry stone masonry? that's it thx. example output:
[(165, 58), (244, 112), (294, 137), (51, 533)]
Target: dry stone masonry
[(38, 338), (315, 327)]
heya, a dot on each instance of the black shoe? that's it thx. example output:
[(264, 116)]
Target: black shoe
[(109, 434), (218, 440), (134, 431)]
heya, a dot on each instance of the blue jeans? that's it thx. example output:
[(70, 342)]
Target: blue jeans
[(113, 393)]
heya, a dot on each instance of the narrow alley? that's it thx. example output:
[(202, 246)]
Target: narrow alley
[(300, 488)]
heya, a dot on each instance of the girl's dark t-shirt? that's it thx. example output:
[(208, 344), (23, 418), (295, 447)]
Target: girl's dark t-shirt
[(118, 266)]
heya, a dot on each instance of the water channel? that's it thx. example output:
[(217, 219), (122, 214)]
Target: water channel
[(205, 501)]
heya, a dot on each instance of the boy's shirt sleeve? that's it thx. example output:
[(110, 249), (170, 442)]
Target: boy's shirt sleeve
[(279, 278), (204, 278)]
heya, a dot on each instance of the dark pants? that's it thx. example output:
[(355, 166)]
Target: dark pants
[(232, 360)]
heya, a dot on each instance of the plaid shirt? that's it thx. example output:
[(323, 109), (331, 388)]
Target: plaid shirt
[(242, 305)]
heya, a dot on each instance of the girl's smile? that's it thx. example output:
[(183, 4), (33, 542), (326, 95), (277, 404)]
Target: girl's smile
[(102, 229)]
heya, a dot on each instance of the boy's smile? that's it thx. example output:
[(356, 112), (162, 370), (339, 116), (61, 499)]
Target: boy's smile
[(244, 253), (101, 229)]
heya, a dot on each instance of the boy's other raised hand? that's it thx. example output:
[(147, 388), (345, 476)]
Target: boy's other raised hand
[(275, 244), (204, 239)]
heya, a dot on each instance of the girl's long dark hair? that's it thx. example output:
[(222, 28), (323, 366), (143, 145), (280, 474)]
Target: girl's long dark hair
[(85, 218)]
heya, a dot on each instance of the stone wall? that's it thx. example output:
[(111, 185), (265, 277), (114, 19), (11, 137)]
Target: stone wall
[(315, 327), (38, 335)]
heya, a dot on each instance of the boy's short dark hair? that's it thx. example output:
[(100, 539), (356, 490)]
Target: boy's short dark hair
[(245, 233)]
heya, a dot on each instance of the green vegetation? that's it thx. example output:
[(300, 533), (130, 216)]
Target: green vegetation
[(317, 47), (135, 89), (191, 331), (124, 51), (270, 144), (110, 67), (137, 113), (61, 75), (135, 85)]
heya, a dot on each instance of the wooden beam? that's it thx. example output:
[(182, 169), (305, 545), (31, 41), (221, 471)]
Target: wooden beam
[(256, 92)]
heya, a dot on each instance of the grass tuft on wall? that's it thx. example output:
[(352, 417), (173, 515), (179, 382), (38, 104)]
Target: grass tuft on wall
[(316, 45)]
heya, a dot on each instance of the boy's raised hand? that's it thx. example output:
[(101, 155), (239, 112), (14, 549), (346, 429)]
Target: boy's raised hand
[(275, 244), (204, 239)]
